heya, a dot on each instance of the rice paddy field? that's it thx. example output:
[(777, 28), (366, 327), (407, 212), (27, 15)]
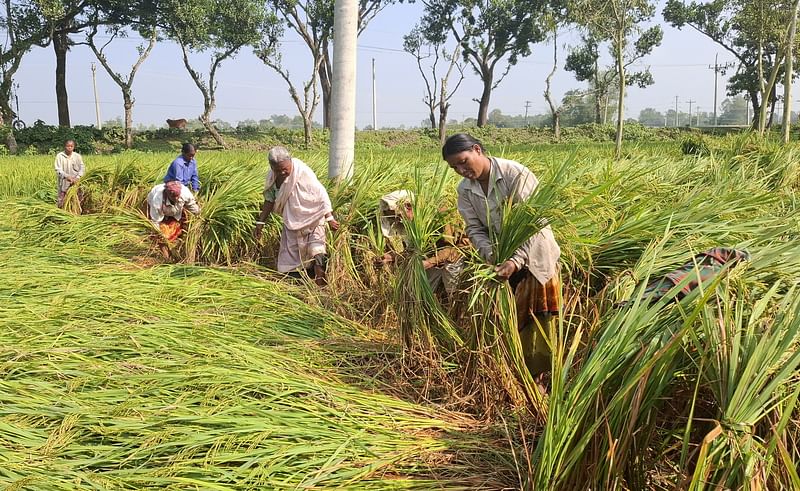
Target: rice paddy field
[(122, 370)]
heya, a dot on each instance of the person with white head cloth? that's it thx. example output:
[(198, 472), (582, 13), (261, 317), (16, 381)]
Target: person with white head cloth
[(293, 191), (444, 266)]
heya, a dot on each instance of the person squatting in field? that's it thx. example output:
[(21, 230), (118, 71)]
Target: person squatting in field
[(184, 168), (69, 169), (445, 265), (533, 270), (166, 204), (293, 191)]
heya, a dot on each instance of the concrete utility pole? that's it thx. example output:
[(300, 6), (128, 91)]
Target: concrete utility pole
[(717, 70), (343, 91), (527, 105), (690, 102), (676, 111), (374, 99), (747, 109), (96, 101), (787, 83)]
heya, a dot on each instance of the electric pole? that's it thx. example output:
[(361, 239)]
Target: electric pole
[(676, 111), (96, 102), (747, 109), (374, 99), (690, 102), (717, 70), (527, 105), (343, 91)]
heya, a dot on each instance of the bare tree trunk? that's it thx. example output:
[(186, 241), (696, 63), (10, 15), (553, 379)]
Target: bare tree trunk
[(483, 104), (443, 108), (598, 108), (325, 84), (124, 84), (205, 118), (307, 128), (554, 112), (7, 114), (60, 46), (207, 89), (754, 103), (432, 118), (127, 103), (771, 113)]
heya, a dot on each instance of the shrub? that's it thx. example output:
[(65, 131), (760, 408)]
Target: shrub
[(695, 145)]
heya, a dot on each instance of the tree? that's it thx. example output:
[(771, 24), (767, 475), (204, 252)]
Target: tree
[(22, 24), (268, 52), (221, 27), (754, 31), (61, 18), (144, 21), (584, 61), (437, 95), (490, 32), (312, 20), (651, 117), (555, 111), (618, 22), (734, 111), (578, 108)]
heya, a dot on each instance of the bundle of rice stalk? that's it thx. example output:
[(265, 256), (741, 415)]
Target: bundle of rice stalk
[(425, 328), (223, 232), (72, 200), (747, 356), (603, 403)]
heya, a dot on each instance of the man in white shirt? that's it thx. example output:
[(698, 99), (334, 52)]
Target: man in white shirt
[(69, 169), (166, 203)]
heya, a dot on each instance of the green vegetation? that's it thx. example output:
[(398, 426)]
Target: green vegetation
[(122, 371)]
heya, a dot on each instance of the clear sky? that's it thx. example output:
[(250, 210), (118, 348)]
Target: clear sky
[(250, 90)]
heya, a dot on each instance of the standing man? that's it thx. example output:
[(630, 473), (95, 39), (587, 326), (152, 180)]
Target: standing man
[(184, 168), (293, 191), (69, 169)]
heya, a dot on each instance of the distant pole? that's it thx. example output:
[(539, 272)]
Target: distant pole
[(665, 121), (676, 111), (343, 96), (690, 102), (527, 105), (717, 70), (96, 101), (374, 99), (747, 110)]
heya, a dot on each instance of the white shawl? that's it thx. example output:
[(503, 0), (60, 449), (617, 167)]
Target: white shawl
[(301, 200)]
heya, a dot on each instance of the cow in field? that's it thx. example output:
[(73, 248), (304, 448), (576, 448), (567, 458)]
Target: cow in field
[(177, 123)]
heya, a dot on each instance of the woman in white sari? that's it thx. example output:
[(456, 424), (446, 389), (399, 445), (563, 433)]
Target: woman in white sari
[(293, 191)]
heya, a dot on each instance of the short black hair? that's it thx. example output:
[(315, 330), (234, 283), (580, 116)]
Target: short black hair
[(458, 143), (186, 148)]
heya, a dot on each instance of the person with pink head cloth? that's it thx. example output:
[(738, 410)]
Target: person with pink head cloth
[(165, 207)]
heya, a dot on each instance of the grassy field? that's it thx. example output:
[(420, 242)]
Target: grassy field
[(122, 371)]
